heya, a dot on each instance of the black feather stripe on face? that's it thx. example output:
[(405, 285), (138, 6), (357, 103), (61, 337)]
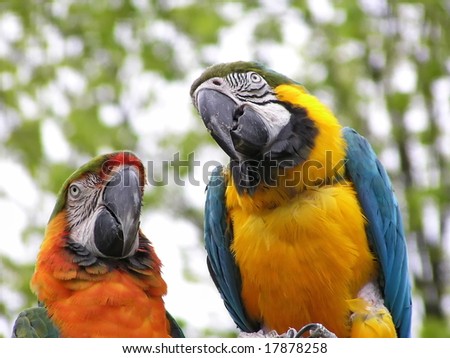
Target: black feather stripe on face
[(273, 78), (291, 147), (295, 140), (82, 207)]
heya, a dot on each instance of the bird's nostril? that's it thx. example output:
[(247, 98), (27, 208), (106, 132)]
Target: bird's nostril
[(217, 82)]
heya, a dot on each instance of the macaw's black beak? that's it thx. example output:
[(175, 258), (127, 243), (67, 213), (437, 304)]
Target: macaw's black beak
[(236, 128), (117, 225)]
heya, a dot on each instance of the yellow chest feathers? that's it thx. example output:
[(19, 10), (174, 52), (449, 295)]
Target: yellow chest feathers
[(302, 261)]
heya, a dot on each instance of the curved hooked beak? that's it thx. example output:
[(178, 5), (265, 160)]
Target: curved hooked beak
[(117, 225), (237, 128)]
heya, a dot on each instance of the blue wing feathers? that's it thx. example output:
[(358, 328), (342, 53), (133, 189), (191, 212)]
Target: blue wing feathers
[(221, 263), (384, 229)]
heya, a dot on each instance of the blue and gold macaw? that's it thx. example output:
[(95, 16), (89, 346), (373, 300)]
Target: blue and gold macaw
[(302, 226)]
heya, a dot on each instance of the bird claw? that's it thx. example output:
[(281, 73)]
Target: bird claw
[(315, 330), (290, 333)]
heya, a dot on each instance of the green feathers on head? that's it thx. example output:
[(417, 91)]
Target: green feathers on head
[(273, 78), (95, 165)]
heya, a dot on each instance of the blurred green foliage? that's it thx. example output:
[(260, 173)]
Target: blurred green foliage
[(67, 62)]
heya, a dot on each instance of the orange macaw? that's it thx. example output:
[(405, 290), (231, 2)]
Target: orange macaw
[(97, 275), (302, 226)]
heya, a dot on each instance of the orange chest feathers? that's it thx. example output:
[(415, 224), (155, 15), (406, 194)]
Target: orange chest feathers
[(97, 301), (302, 261)]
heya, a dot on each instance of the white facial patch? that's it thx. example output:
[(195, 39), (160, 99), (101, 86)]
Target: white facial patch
[(83, 233), (82, 209)]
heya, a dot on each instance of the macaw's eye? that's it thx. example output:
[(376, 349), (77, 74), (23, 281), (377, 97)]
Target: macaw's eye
[(74, 191), (255, 78)]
